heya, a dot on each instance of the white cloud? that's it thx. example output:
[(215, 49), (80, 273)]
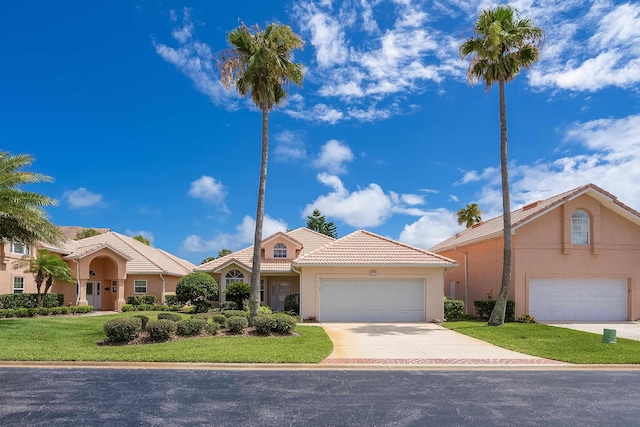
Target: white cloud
[(289, 146), (241, 238), (82, 198), (207, 188), (146, 234), (333, 156), (432, 228), (326, 34), (319, 112)]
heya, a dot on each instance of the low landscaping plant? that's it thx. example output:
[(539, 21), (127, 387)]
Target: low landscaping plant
[(485, 307), (228, 305), (171, 300), (453, 309), (292, 303), (264, 309), (190, 327), (122, 330), (169, 316), (143, 319), (283, 324), (237, 324), (141, 299), (238, 292), (161, 330), (26, 312), (236, 313), (526, 318), (16, 301), (79, 309), (212, 328), (144, 307), (218, 318), (263, 324)]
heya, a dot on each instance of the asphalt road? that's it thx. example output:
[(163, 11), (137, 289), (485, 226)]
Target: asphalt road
[(119, 397)]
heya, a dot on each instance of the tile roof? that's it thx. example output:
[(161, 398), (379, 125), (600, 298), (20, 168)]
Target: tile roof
[(494, 227), (142, 259), (71, 231), (363, 248)]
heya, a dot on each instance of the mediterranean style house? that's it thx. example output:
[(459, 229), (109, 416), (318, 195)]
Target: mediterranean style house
[(109, 267), (359, 277), (576, 256)]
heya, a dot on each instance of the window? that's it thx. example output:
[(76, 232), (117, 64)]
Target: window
[(19, 248), (233, 276), (579, 227), (261, 290), (18, 285), (280, 250), (140, 286)]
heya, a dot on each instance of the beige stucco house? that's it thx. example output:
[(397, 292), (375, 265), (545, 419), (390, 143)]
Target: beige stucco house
[(576, 256), (108, 267), (359, 277)]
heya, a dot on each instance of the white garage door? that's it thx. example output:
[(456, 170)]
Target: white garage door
[(372, 300), (578, 299)]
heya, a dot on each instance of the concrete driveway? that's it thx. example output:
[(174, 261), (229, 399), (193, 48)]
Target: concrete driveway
[(414, 343), (628, 330)]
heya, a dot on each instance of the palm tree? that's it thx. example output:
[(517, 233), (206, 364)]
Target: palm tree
[(46, 269), (502, 45), (260, 64), (469, 215), (22, 217)]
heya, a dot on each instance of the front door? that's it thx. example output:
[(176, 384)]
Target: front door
[(279, 291), (93, 295)]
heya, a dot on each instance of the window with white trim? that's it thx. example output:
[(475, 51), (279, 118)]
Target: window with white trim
[(139, 286), (18, 285), (579, 227), (19, 248), (261, 290), (280, 250), (233, 276)]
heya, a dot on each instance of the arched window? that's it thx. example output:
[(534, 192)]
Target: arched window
[(233, 276), (579, 227), (280, 250)]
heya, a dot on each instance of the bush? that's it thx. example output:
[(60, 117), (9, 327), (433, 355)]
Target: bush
[(263, 324), (143, 319), (292, 303), (238, 292), (236, 324), (228, 305), (526, 318), (144, 307), (234, 313), (265, 309), (212, 328), (176, 307), (220, 319), (9, 312), (127, 307), (190, 327), (203, 316), (81, 309), (161, 330), (141, 299), (171, 300), (485, 307), (169, 316), (122, 330), (44, 311), (197, 288), (283, 323), (16, 301), (453, 309)]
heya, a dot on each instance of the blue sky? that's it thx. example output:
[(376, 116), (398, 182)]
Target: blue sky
[(121, 104)]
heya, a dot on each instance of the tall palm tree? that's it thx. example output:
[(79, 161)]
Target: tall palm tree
[(46, 269), (260, 64), (502, 45), (469, 215), (22, 217)]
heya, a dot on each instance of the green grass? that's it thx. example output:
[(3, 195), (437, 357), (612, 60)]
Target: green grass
[(551, 342), (75, 339)]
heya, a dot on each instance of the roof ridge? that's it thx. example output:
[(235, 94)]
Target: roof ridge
[(312, 231), (406, 245), (120, 237)]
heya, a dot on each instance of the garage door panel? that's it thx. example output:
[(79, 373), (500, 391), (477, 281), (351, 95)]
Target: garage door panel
[(578, 299), (371, 300)]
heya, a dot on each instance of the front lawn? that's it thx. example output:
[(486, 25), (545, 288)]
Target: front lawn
[(551, 342), (75, 338)]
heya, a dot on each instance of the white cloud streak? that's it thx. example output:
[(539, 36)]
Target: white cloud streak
[(82, 198)]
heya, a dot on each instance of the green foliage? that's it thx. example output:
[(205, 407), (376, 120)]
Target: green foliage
[(207, 259), (171, 300), (140, 238), (122, 330), (8, 312), (485, 307), (283, 324), (190, 327), (237, 324), (127, 307), (238, 292), (526, 318), (26, 312), (16, 301), (79, 309), (241, 313), (220, 319), (144, 307), (86, 232), (318, 222), (469, 215), (453, 309), (264, 309), (263, 324), (169, 316), (228, 305), (161, 329), (141, 299), (212, 328), (292, 303), (143, 319), (198, 289), (44, 311)]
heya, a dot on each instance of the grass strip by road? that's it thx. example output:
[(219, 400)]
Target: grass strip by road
[(75, 339), (551, 342)]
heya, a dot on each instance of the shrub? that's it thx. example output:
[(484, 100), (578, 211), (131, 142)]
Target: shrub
[(197, 288), (236, 324), (169, 316), (238, 292), (141, 299), (65, 309), (176, 307), (228, 305), (127, 307), (220, 319), (143, 320), (263, 324), (171, 300), (234, 313), (81, 309), (265, 309), (212, 328), (526, 318), (9, 312), (292, 303), (44, 311), (203, 316), (161, 329), (122, 330), (453, 309), (485, 307), (283, 323), (26, 312), (190, 327)]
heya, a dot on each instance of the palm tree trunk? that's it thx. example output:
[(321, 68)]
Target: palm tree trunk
[(254, 299), (498, 313)]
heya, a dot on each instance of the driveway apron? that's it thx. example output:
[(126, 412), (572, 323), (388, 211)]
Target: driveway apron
[(415, 344)]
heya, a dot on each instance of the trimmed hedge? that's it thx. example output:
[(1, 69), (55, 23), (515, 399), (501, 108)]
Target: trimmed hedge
[(236, 313), (169, 316), (263, 324), (485, 307), (122, 330), (212, 328), (453, 309), (144, 319), (172, 300), (144, 307), (141, 299), (220, 319), (161, 330), (45, 311), (16, 301), (283, 324), (236, 324), (190, 327)]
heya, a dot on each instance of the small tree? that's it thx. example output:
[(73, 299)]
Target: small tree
[(46, 269), (317, 222), (198, 289), (87, 232), (224, 252), (141, 238), (238, 292)]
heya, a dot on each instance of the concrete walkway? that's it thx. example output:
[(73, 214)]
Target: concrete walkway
[(416, 344), (628, 330)]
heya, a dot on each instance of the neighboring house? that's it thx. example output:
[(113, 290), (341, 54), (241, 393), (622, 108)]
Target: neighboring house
[(109, 267), (359, 277), (576, 256)]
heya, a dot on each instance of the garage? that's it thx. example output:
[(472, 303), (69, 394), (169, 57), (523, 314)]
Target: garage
[(372, 300), (578, 299)]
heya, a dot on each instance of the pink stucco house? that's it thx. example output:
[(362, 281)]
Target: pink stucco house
[(109, 267), (359, 277), (576, 256)]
